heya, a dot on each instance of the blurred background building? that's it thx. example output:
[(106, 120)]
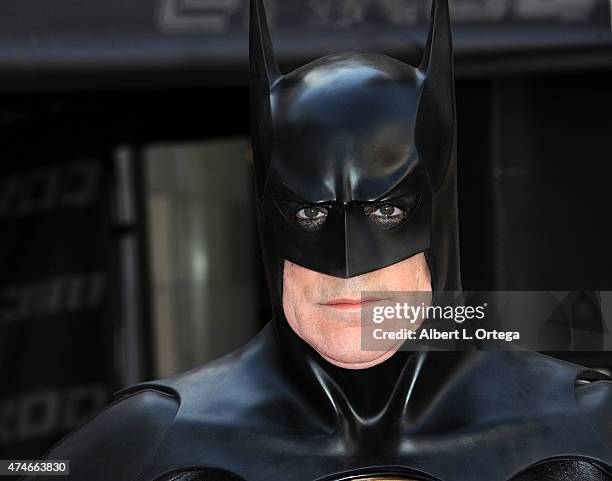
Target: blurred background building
[(128, 248)]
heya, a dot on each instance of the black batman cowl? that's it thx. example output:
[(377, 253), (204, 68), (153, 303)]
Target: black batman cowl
[(340, 133)]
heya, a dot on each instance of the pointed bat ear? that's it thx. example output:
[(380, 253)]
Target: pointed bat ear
[(437, 114), (263, 65), (264, 72)]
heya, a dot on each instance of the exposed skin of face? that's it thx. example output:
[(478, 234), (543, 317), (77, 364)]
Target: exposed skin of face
[(325, 311)]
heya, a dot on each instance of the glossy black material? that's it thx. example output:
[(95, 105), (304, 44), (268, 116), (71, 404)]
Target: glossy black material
[(350, 131), (343, 135), (447, 416)]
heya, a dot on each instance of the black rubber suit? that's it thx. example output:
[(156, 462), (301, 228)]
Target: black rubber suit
[(340, 138)]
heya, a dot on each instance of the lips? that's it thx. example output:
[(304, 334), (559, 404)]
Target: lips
[(348, 303)]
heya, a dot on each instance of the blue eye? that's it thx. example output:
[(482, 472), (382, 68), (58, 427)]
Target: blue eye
[(311, 218)]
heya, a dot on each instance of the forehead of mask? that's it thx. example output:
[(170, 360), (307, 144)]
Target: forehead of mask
[(344, 127)]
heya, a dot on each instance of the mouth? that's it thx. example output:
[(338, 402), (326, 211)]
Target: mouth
[(350, 303)]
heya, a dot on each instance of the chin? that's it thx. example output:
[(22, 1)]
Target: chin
[(362, 360)]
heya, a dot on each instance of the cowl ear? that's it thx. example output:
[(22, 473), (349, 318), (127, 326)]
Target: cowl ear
[(436, 120), (264, 72)]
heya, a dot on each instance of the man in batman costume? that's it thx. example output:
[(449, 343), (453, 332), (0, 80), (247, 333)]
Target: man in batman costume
[(334, 141)]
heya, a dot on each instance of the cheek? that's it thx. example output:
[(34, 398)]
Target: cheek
[(293, 286), (419, 275), (424, 277), (297, 290), (303, 316)]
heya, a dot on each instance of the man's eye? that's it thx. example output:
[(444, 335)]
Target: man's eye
[(311, 218), (388, 210), (386, 216)]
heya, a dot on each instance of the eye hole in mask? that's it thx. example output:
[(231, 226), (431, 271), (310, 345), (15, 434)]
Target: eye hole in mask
[(386, 214), (311, 218), (390, 214)]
